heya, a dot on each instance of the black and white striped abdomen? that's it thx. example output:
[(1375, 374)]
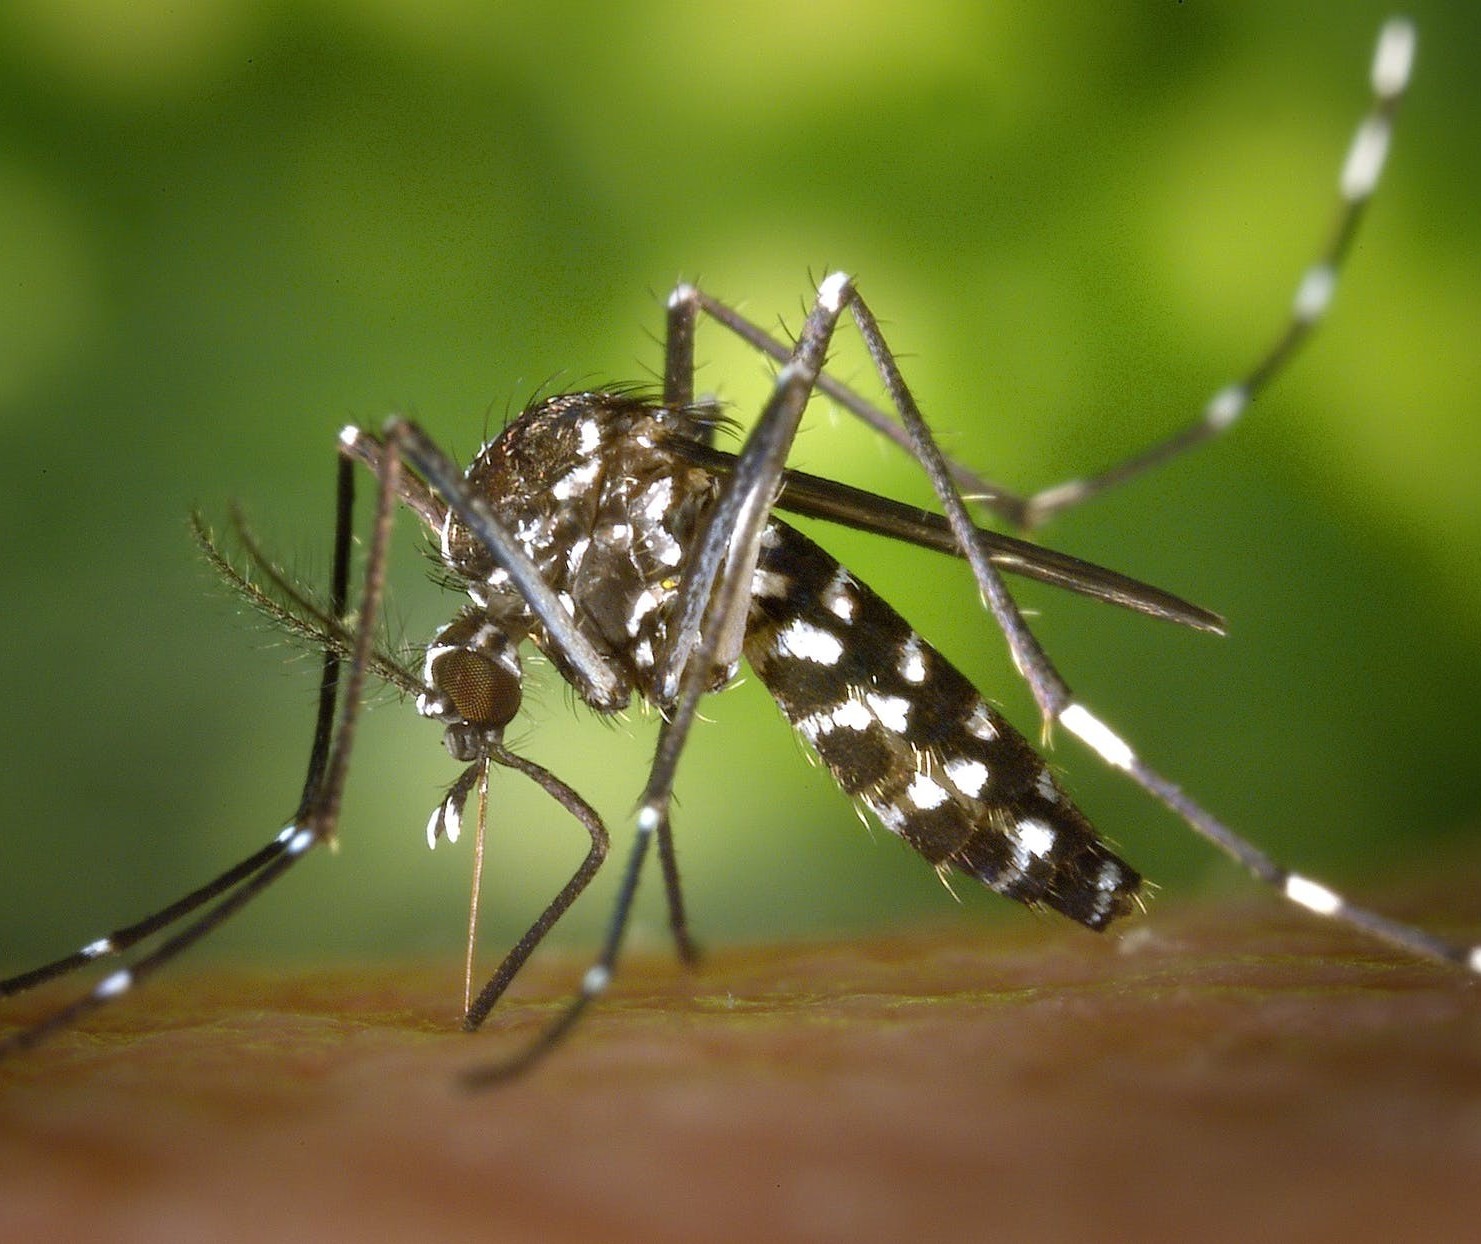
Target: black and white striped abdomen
[(902, 730)]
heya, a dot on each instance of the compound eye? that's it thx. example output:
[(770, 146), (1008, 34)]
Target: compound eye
[(485, 692)]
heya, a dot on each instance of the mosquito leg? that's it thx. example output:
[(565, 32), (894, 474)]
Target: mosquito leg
[(597, 976), (678, 390), (728, 546), (1392, 59), (237, 886), (716, 594), (678, 346), (993, 497), (318, 809), (321, 811), (685, 303), (712, 604), (673, 890), (595, 856), (364, 448), (123, 939), (1058, 704), (1050, 691), (1304, 891), (339, 603), (1359, 178)]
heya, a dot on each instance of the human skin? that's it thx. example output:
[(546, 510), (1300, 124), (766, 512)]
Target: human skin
[(1226, 1070)]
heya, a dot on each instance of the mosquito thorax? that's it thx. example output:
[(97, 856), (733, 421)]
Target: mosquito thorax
[(589, 488)]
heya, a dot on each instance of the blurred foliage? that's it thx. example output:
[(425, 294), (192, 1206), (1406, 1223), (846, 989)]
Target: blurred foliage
[(227, 228)]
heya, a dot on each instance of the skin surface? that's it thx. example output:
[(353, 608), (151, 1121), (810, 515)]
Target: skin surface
[(1221, 1072)]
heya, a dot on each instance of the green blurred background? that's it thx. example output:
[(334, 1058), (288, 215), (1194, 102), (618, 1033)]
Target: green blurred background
[(228, 228)]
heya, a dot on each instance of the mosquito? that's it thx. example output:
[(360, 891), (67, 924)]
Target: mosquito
[(608, 531)]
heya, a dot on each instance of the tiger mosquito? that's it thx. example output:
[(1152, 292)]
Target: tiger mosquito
[(607, 530)]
